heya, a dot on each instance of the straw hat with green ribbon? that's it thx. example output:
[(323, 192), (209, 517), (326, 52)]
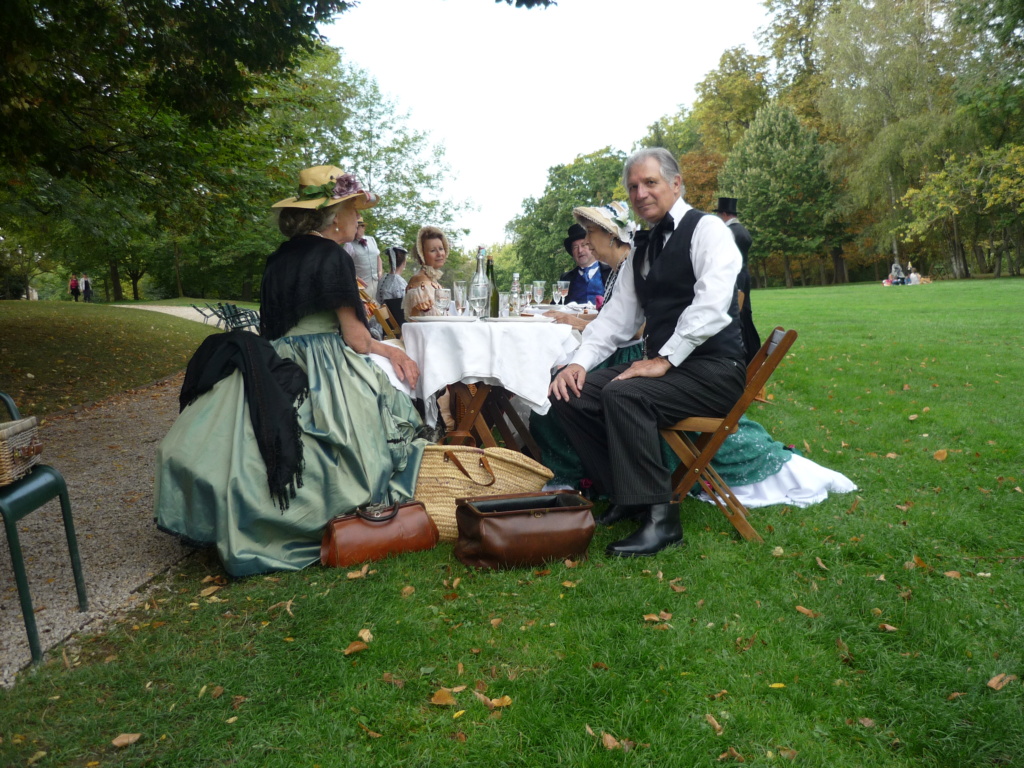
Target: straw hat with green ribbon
[(325, 185)]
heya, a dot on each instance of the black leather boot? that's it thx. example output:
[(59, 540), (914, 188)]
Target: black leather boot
[(660, 528), (617, 512)]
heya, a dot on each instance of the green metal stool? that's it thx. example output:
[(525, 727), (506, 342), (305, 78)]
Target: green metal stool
[(20, 499)]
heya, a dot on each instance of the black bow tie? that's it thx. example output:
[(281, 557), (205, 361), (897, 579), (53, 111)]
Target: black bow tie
[(665, 227)]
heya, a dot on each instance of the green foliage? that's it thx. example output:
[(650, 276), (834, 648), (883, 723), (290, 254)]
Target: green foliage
[(729, 97), (592, 179), (678, 133), (569, 645), (778, 171)]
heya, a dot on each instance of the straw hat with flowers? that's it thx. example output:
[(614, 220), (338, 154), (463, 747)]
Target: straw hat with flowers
[(325, 185)]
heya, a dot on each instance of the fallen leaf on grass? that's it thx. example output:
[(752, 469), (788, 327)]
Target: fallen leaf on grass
[(35, 758), (955, 695), (126, 739), (867, 722), (776, 685), (778, 552), (999, 681), (361, 573), (844, 652), (495, 622), (940, 455), (460, 736), (485, 700), (231, 720), (545, 572), (720, 695), (407, 591), (609, 741), (599, 665), (678, 588), (387, 677), (366, 635), (569, 584), (891, 455), (788, 752), (458, 714), (807, 612), (503, 701), (208, 591), (443, 698), (371, 734), (714, 724), (355, 647), (459, 689), (888, 628), (821, 564), (217, 692), (237, 701), (912, 417), (952, 574), (732, 754), (571, 563)]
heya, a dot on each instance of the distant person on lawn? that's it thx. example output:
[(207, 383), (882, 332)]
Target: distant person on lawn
[(73, 287), (86, 284)]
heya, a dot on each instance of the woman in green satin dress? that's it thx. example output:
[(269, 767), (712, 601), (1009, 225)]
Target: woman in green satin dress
[(358, 434)]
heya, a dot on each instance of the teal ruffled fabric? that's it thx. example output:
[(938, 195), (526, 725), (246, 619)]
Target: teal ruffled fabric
[(359, 446), (748, 456)]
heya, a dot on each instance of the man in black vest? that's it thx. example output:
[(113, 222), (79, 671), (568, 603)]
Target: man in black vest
[(728, 211), (682, 283)]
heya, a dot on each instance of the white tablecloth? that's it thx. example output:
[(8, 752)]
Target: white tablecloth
[(518, 356)]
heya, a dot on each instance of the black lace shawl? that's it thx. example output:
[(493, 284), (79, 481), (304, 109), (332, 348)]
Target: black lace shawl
[(306, 275), (274, 388)]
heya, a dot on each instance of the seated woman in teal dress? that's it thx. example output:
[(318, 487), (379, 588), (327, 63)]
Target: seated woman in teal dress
[(760, 470), (280, 432)]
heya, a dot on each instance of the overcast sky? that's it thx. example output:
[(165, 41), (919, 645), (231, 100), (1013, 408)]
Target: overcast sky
[(511, 92)]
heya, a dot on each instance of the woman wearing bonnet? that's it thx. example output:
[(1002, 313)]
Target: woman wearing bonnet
[(281, 432), (432, 249)]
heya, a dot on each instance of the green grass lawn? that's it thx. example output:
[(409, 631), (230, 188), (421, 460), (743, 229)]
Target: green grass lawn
[(909, 590)]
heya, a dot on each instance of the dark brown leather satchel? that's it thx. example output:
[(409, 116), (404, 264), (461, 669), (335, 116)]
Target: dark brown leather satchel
[(520, 530), (377, 531)]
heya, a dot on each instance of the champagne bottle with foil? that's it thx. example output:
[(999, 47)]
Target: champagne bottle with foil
[(494, 286)]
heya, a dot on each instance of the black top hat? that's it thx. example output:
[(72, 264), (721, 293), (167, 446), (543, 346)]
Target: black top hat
[(727, 205), (576, 232)]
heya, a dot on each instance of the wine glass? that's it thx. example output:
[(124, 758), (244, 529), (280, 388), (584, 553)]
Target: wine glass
[(460, 296), (479, 296), (443, 299), (538, 291), (562, 288)]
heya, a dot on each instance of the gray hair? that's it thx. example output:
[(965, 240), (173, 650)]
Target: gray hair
[(301, 221), (666, 164)]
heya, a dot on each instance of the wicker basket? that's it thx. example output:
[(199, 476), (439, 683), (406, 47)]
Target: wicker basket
[(474, 472), (20, 447)]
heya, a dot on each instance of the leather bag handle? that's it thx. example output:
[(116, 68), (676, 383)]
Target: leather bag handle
[(450, 456), (378, 513)]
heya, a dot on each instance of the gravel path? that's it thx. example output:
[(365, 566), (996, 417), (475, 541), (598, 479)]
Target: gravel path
[(106, 452)]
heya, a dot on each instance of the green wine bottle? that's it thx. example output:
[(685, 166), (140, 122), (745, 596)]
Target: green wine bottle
[(494, 285)]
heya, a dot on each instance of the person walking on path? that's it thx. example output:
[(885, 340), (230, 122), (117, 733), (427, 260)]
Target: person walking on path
[(73, 287), (85, 283)]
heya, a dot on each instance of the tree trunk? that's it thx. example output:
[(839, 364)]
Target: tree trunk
[(803, 273), (115, 281), (979, 257), (957, 257), (177, 269), (787, 270), (839, 273), (821, 271), (997, 253), (135, 276)]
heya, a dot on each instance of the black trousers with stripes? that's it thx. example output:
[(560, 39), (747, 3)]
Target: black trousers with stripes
[(613, 425)]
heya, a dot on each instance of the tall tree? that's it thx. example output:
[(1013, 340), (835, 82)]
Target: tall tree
[(592, 179), (778, 170), (728, 98), (678, 133)]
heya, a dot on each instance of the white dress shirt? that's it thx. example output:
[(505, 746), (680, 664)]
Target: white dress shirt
[(716, 263)]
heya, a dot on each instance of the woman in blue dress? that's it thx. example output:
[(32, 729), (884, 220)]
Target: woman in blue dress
[(280, 432)]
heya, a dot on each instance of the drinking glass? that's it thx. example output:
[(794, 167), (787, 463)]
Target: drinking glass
[(479, 296), (562, 287), (443, 299), (538, 291), (503, 306), (460, 296)]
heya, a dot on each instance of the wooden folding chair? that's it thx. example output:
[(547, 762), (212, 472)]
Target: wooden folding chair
[(695, 457), (381, 314)]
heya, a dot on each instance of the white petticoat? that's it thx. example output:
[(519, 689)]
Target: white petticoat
[(800, 482)]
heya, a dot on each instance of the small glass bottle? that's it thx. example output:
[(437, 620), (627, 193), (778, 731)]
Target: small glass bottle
[(513, 303), (494, 285)]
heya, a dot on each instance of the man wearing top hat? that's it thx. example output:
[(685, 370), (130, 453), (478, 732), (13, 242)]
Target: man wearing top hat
[(682, 284), (587, 280), (727, 211)]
